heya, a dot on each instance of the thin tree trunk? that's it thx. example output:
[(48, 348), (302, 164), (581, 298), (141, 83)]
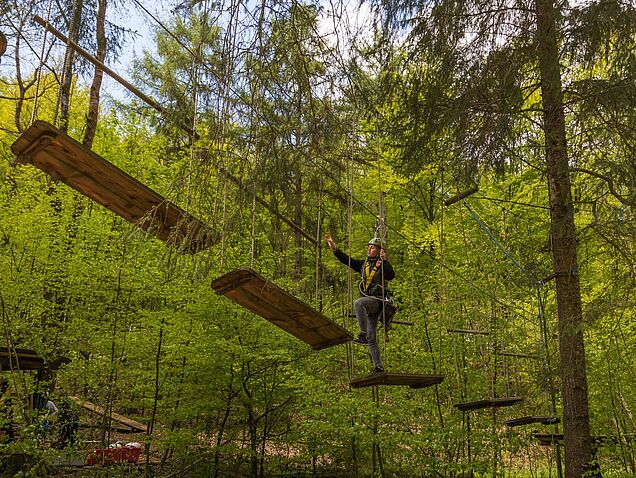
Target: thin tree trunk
[(67, 75), (578, 449), (298, 219), (153, 416), (23, 85), (253, 433), (93, 103), (221, 427)]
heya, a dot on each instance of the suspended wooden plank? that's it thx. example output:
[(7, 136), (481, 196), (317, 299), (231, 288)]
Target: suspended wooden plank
[(252, 291), (488, 403), (26, 359), (544, 420), (66, 160), (390, 378), (467, 331), (133, 425), (548, 439), (398, 322), (518, 355)]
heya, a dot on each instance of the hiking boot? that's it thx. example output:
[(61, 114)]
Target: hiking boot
[(378, 369), (360, 340)]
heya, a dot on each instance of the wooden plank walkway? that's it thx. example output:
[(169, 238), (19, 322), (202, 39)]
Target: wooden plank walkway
[(544, 420), (134, 425), (467, 331), (66, 160), (488, 403), (391, 378), (252, 291)]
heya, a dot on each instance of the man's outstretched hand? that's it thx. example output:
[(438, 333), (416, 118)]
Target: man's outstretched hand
[(330, 243)]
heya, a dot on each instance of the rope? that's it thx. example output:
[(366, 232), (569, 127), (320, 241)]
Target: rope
[(420, 249), (325, 172), (487, 230), (412, 298), (349, 247), (318, 250)]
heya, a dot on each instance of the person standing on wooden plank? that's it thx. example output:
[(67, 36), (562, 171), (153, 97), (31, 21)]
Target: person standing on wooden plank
[(376, 271)]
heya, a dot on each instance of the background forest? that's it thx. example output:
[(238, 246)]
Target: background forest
[(276, 123)]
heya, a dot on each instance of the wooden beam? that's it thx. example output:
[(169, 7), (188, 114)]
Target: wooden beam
[(267, 206), (87, 56), (98, 64), (133, 424), (27, 359)]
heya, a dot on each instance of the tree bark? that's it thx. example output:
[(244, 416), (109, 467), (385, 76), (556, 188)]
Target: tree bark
[(298, 219), (578, 449), (67, 76), (93, 103)]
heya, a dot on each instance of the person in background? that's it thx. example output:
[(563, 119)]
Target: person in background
[(376, 271), (50, 410), (68, 420)]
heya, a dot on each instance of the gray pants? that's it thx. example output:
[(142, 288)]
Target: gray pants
[(367, 312)]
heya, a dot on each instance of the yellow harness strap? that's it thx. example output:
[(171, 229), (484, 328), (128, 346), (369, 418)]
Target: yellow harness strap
[(369, 273)]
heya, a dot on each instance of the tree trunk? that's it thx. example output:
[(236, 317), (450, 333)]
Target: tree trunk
[(67, 75), (253, 433), (578, 449), (155, 401), (298, 220), (93, 103)]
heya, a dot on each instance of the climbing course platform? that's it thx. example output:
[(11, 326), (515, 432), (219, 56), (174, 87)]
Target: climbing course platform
[(518, 355), (389, 378), (544, 420), (488, 403), (252, 291), (66, 160), (467, 331), (548, 439), (26, 359)]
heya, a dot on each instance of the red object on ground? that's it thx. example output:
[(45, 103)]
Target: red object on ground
[(131, 454), (107, 456)]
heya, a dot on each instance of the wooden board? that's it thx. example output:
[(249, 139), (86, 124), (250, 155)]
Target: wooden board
[(488, 403), (518, 355), (467, 331), (130, 423), (389, 378), (26, 359), (544, 420), (66, 160), (252, 291), (547, 439)]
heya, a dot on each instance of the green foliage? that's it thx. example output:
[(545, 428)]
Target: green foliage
[(226, 391)]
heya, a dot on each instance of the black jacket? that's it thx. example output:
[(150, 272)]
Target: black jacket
[(386, 273)]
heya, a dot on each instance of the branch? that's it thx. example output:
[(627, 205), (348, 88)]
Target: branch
[(610, 184)]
